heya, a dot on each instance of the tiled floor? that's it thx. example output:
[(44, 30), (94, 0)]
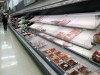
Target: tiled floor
[(13, 58)]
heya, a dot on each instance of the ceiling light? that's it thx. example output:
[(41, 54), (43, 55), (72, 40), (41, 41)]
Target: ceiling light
[(1, 1)]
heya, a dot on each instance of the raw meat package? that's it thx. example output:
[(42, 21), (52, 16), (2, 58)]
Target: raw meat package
[(36, 19), (64, 66), (73, 72), (65, 62), (97, 38), (39, 43), (63, 22), (19, 30), (69, 36), (96, 56), (49, 19), (29, 36), (49, 37), (67, 44), (72, 62), (40, 28), (82, 70)]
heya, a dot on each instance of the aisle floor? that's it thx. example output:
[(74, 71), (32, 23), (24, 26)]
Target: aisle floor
[(14, 60)]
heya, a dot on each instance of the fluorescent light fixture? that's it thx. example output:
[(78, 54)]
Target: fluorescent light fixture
[(1, 1)]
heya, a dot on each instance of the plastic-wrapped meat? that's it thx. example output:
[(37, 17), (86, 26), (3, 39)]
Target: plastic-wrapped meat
[(40, 28), (20, 22), (72, 34), (63, 22), (72, 62), (58, 53), (46, 52), (96, 56), (83, 70), (40, 44), (67, 44), (36, 19), (49, 37), (73, 72), (97, 38), (19, 30), (24, 34), (30, 36), (61, 35), (57, 60), (52, 50), (51, 56), (64, 66), (65, 56)]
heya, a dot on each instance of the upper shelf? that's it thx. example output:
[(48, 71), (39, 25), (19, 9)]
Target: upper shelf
[(88, 21), (66, 6)]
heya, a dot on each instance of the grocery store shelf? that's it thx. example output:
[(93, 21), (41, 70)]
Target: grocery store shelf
[(77, 50), (54, 30), (66, 49), (87, 54)]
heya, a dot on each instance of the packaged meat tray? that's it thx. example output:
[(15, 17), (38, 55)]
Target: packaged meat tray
[(49, 37), (64, 66), (65, 62), (73, 72), (72, 62), (39, 43), (68, 36), (52, 50), (36, 19), (29, 36), (96, 56), (63, 22), (82, 69)]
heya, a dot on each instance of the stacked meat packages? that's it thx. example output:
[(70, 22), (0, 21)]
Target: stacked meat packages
[(70, 35), (66, 62)]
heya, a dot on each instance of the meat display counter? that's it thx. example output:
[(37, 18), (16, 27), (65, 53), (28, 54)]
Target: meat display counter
[(56, 55)]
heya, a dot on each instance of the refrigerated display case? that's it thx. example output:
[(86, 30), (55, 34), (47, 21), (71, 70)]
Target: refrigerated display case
[(61, 44)]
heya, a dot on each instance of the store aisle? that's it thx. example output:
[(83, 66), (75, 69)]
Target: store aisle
[(13, 58)]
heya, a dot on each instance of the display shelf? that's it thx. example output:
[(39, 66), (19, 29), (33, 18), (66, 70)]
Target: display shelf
[(60, 48), (75, 49), (54, 30), (57, 44), (83, 20)]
